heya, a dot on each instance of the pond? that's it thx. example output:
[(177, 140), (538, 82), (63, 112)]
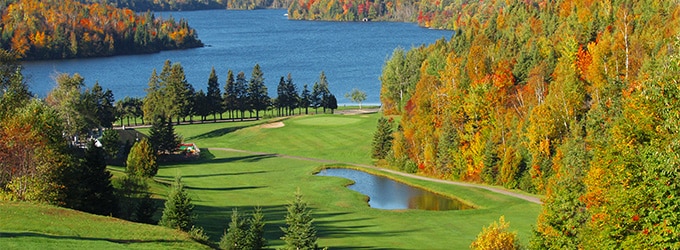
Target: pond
[(388, 194)]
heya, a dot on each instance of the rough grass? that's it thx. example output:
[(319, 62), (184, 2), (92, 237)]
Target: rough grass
[(35, 226)]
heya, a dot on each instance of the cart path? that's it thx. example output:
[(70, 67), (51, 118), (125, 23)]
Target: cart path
[(503, 191)]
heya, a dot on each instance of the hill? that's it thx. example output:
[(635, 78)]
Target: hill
[(69, 29), (32, 226)]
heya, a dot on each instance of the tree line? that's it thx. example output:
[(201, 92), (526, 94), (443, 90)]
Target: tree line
[(184, 5), (69, 29), (576, 100), (170, 95)]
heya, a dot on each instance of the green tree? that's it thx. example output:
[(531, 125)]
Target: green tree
[(241, 93), (162, 135), (214, 96), (382, 139), (229, 100), (68, 100), (89, 188), (282, 98), (111, 143), (258, 98), (142, 160), (305, 99), (14, 91), (255, 235), (357, 96), (292, 93), (299, 232), (235, 236), (178, 211), (105, 110)]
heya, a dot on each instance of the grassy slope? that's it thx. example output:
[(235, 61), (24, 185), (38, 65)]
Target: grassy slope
[(34, 226), (229, 180)]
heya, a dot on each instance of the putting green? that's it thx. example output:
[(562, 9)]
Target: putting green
[(325, 120)]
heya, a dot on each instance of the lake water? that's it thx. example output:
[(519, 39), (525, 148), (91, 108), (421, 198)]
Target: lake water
[(385, 193), (351, 54)]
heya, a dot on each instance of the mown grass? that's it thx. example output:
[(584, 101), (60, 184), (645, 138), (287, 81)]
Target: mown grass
[(224, 180), (35, 226)]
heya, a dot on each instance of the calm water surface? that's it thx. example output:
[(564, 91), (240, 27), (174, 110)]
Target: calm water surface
[(385, 193), (351, 54)]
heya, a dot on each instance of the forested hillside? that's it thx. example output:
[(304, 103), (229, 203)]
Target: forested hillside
[(168, 5), (68, 29), (577, 100)]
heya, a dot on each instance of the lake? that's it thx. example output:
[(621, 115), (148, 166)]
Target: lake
[(352, 54), (385, 193)]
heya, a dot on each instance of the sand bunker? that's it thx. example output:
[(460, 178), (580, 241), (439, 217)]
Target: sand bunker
[(272, 125)]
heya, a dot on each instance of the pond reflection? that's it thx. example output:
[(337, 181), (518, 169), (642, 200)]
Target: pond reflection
[(385, 193)]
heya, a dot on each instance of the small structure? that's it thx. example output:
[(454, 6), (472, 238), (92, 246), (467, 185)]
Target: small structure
[(190, 149)]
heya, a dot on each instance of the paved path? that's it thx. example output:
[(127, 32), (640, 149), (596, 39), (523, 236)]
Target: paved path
[(525, 197)]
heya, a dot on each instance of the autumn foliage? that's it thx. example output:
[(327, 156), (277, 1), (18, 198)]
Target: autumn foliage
[(69, 29), (576, 100)]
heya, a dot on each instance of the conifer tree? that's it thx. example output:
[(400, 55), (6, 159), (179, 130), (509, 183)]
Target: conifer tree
[(382, 139), (162, 135), (257, 92), (92, 191), (111, 143), (178, 211), (299, 232), (292, 94), (229, 100), (213, 95), (255, 235), (305, 99), (142, 160), (235, 235)]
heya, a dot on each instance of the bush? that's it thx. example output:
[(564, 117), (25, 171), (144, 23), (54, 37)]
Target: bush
[(496, 237)]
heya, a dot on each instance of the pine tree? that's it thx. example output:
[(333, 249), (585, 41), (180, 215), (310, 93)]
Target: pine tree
[(382, 139), (305, 99), (255, 235), (92, 191), (111, 143), (229, 100), (214, 96), (178, 211), (235, 236), (257, 92), (162, 135), (300, 232), (292, 94), (142, 160)]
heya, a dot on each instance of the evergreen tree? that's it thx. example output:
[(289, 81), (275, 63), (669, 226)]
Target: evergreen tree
[(111, 143), (229, 100), (105, 111), (255, 235), (235, 236), (324, 92), (299, 232), (332, 103), (258, 98), (91, 190), (282, 99), (382, 139), (142, 160), (292, 94), (305, 99), (162, 135), (178, 211), (202, 105), (213, 95), (316, 98), (241, 93)]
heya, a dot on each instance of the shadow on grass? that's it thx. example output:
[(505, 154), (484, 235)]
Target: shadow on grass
[(69, 237), (223, 188), (217, 132), (212, 175), (215, 221), (213, 160)]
